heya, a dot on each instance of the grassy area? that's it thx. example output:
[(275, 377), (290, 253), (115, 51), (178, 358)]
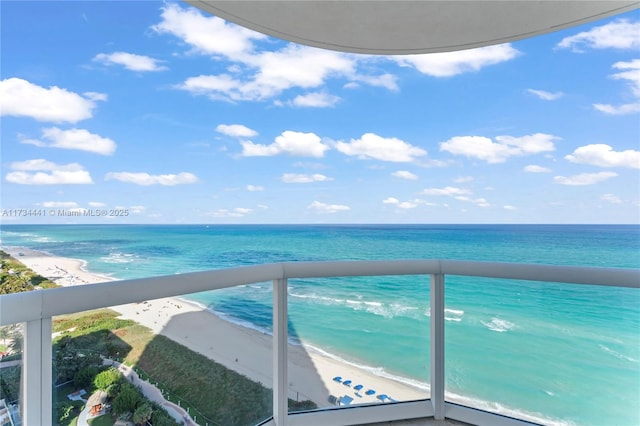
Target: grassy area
[(212, 392), (101, 421)]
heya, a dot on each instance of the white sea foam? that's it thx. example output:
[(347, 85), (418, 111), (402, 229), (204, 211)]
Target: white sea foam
[(115, 257), (387, 310), (454, 315), (499, 325), (617, 354), (378, 371)]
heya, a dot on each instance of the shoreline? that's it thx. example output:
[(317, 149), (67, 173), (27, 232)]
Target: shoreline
[(245, 350)]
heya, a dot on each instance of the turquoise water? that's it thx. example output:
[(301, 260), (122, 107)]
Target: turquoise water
[(555, 353)]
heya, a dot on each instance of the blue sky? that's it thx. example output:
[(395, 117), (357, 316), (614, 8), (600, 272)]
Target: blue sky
[(174, 116)]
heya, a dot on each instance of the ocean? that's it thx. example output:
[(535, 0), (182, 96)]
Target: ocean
[(554, 353)]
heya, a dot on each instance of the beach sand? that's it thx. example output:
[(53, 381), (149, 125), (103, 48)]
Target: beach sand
[(242, 349)]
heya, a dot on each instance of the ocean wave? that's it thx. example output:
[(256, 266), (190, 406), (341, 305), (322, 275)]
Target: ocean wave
[(454, 315), (499, 325), (378, 371), (387, 310), (116, 257), (617, 354)]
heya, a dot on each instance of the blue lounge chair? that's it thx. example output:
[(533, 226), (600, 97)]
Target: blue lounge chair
[(345, 400), (358, 387), (347, 383), (337, 379), (382, 397), (370, 392)]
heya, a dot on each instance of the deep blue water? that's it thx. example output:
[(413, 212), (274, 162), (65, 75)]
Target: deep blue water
[(558, 353)]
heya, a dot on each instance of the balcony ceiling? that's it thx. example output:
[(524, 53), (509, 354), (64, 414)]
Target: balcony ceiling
[(394, 27)]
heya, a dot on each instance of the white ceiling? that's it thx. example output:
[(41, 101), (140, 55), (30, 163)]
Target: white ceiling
[(405, 27)]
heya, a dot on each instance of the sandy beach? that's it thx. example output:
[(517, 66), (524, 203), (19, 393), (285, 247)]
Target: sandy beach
[(244, 350)]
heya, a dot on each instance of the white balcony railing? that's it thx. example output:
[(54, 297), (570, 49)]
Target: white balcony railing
[(37, 308)]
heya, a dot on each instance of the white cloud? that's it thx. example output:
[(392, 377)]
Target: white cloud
[(315, 100), (255, 188), (96, 204), (485, 149), (221, 86), (603, 155), (136, 209), (372, 146), (406, 205), (302, 178), (508, 207), (294, 66), (547, 96), (130, 61), (146, 179), (630, 72), (613, 199), (296, 144), (235, 212), (255, 75), (20, 98), (206, 34), (327, 208), (79, 139), (618, 110), (236, 130), (388, 81), (43, 172), (60, 204), (404, 174), (620, 34), (463, 179), (584, 178), (481, 202), (449, 191), (42, 164), (453, 63), (96, 96), (533, 168)]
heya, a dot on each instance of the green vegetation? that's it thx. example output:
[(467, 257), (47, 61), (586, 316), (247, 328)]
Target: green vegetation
[(10, 383), (15, 277), (101, 421), (212, 392)]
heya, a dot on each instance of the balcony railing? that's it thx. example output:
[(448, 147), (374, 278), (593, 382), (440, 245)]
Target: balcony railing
[(37, 308)]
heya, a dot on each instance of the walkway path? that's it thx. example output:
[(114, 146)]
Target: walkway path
[(153, 394), (6, 364)]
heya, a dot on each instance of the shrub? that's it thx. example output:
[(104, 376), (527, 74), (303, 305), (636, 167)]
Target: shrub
[(127, 399), (85, 376), (106, 378)]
